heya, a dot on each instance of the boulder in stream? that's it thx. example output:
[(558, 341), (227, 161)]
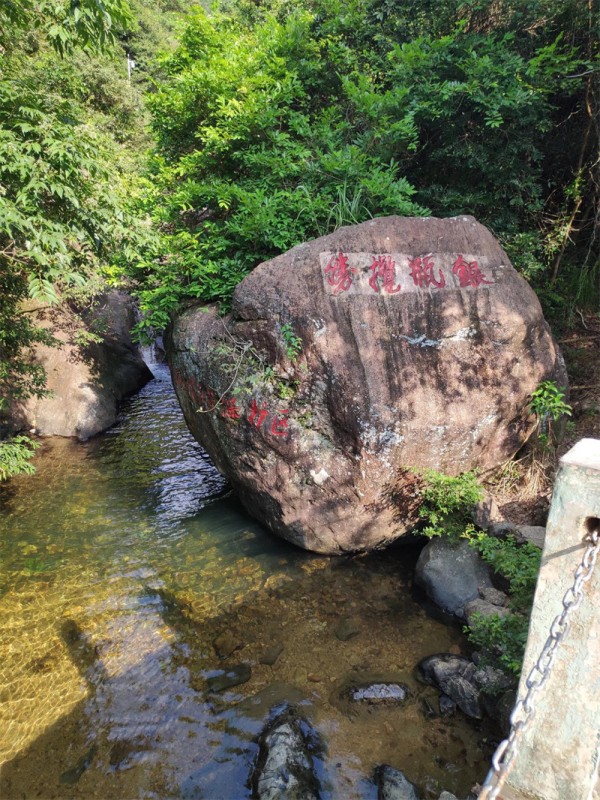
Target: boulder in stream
[(454, 675), (92, 367), (392, 784), (395, 344), (285, 768), (452, 574)]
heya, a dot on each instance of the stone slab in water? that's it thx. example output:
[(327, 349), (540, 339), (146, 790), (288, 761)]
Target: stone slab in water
[(398, 343), (227, 679), (379, 693)]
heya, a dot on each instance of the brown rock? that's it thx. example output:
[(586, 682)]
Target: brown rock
[(392, 344), (86, 378), (486, 512), (226, 643)]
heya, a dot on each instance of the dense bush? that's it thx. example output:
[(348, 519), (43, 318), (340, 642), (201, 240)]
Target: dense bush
[(70, 139), (275, 126)]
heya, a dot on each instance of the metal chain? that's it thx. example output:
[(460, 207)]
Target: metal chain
[(503, 758)]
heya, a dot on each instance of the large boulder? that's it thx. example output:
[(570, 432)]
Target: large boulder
[(90, 368), (398, 343)]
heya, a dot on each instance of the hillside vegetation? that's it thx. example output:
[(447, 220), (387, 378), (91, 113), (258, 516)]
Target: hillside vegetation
[(250, 128)]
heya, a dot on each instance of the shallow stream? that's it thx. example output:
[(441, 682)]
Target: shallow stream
[(129, 591)]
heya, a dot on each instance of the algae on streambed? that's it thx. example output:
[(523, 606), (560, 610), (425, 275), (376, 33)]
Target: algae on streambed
[(125, 599)]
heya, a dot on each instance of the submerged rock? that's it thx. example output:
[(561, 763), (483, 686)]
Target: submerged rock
[(71, 776), (348, 628), (398, 343), (271, 654), (226, 643), (285, 768), (379, 693), (227, 679), (392, 784)]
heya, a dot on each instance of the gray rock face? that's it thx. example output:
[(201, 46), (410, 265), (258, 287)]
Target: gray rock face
[(86, 381), (481, 607), (393, 785), (451, 574), (285, 768), (486, 512), (454, 676), (392, 344), (534, 534), (447, 706)]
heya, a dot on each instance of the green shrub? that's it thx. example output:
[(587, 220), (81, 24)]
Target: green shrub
[(446, 508), (447, 502), (15, 455), (502, 640), (548, 401)]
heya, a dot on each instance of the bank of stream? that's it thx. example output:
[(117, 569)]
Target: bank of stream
[(130, 591)]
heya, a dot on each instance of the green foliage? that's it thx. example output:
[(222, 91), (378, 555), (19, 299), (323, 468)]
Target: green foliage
[(502, 640), (447, 502), (70, 137), (274, 127), (548, 401), (65, 25), (292, 343), (519, 564), (258, 151), (446, 507), (15, 455), (61, 219)]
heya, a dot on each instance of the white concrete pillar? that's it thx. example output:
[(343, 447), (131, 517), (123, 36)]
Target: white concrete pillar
[(559, 754)]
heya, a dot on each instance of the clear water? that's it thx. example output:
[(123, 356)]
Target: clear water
[(127, 587)]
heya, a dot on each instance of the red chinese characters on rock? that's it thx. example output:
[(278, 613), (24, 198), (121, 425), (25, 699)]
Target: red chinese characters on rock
[(339, 274), (205, 400), (258, 416), (421, 271), (279, 424), (469, 273), (383, 273), (229, 408)]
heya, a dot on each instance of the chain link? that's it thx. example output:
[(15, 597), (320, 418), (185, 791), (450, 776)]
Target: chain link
[(503, 758)]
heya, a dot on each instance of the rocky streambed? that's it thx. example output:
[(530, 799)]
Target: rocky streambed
[(151, 634)]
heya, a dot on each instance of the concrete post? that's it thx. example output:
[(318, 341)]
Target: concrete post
[(559, 754)]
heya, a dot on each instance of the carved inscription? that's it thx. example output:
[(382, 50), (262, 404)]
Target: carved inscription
[(397, 273), (207, 401)]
